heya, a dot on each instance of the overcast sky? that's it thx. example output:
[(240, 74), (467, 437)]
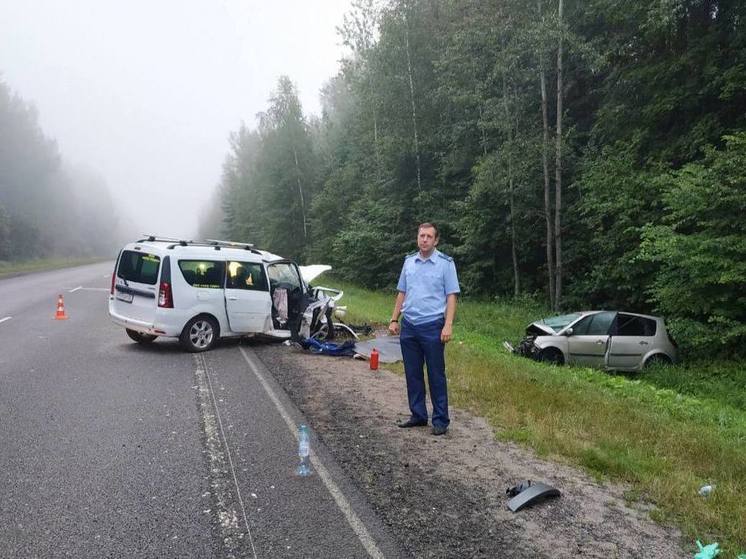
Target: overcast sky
[(145, 92)]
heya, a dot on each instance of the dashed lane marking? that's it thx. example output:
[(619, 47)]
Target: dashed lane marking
[(81, 288), (5, 318), (344, 505)]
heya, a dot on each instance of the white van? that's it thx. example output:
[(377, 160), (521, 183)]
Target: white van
[(202, 291)]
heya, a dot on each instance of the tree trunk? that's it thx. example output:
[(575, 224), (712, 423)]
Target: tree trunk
[(414, 110), (484, 133), (558, 172), (300, 191), (513, 249), (545, 161), (377, 150)]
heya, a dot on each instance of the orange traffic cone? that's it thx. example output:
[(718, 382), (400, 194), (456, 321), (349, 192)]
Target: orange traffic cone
[(60, 310)]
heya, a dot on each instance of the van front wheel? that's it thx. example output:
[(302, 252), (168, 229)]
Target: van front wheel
[(139, 337), (200, 334)]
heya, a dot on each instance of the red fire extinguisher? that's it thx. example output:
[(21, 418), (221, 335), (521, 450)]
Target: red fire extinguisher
[(374, 360)]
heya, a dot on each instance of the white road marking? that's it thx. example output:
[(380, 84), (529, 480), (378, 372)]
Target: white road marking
[(354, 521), (6, 318), (81, 288)]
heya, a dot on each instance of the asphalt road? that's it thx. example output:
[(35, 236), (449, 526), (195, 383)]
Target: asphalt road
[(113, 449)]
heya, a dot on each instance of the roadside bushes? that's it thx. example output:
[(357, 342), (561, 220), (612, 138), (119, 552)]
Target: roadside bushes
[(700, 248)]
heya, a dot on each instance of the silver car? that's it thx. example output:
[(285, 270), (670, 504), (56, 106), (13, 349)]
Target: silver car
[(605, 339)]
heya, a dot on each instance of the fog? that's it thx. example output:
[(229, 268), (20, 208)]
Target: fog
[(145, 93)]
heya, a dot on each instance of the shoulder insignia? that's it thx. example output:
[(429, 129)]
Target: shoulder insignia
[(445, 257)]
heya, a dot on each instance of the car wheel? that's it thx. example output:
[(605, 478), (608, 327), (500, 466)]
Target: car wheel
[(139, 337), (200, 334), (341, 333), (656, 360), (552, 355)]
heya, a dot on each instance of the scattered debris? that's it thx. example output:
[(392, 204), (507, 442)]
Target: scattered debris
[(513, 491), (709, 551), (388, 347), (530, 494), (346, 349), (364, 329), (706, 490)]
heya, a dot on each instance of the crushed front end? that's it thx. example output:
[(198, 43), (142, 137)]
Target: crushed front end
[(527, 346)]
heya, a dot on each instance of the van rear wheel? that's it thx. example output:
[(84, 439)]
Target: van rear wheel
[(139, 337), (200, 334)]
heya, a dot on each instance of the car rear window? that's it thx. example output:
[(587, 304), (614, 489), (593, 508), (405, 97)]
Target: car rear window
[(635, 326), (203, 273), (139, 267)]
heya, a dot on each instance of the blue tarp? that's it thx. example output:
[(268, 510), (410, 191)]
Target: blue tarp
[(346, 349)]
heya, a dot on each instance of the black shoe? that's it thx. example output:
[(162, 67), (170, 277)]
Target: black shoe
[(412, 423), (439, 430)]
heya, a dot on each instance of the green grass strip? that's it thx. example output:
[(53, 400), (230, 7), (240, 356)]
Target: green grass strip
[(43, 264)]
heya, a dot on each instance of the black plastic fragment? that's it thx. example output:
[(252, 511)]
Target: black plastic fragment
[(536, 492)]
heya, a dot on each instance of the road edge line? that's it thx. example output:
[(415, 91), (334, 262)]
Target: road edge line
[(344, 505)]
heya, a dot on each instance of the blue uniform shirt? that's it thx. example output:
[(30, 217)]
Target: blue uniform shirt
[(426, 282)]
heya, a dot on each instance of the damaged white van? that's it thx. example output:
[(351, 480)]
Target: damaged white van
[(200, 291)]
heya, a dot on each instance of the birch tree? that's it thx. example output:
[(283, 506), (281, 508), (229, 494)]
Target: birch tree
[(558, 169)]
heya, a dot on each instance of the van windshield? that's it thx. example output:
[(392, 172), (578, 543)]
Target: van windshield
[(139, 267)]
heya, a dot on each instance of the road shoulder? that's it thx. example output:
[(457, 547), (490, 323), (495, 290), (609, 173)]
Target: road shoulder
[(445, 496)]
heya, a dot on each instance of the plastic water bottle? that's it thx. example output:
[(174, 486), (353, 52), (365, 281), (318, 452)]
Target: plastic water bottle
[(304, 451)]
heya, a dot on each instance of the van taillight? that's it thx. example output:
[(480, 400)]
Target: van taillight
[(165, 300)]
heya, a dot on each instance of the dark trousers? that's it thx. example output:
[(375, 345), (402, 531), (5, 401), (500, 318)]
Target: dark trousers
[(421, 345)]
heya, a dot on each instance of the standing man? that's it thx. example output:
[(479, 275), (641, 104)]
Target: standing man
[(427, 303)]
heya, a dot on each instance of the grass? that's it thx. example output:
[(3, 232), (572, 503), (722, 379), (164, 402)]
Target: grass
[(42, 264), (666, 432)]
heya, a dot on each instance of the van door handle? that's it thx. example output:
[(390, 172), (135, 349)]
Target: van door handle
[(600, 342), (233, 298), (643, 342)]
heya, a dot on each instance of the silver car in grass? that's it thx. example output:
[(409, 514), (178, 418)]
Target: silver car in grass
[(605, 339)]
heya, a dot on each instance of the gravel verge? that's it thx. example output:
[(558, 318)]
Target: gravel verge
[(445, 496)]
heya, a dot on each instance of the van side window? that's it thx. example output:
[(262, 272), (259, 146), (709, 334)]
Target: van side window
[(139, 267), (246, 275), (203, 273)]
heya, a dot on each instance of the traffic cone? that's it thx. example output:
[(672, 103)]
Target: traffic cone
[(60, 310)]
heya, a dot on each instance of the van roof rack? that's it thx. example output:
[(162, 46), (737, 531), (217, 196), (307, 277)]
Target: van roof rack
[(215, 243), (156, 238), (230, 244)]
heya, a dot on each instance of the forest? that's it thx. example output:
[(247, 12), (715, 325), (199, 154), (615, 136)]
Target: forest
[(586, 154), (48, 208)]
